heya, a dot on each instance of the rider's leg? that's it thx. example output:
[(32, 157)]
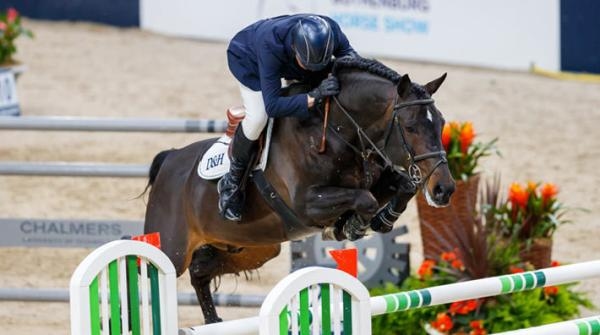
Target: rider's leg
[(243, 145)]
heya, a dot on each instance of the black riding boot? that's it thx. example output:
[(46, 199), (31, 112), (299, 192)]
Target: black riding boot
[(231, 195)]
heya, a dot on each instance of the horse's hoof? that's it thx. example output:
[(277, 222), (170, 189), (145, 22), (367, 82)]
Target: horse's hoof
[(213, 320)]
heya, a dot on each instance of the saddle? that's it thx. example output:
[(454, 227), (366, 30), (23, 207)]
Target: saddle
[(215, 162)]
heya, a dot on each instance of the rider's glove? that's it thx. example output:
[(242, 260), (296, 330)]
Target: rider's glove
[(328, 87)]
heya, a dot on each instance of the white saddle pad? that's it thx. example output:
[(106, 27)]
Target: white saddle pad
[(215, 162)]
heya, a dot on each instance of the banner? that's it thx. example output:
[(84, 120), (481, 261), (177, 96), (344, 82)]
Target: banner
[(510, 34)]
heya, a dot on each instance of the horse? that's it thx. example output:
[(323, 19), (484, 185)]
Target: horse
[(383, 141)]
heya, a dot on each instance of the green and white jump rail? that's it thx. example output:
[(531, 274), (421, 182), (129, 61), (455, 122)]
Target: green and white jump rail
[(486, 287), (585, 326), (129, 287), (438, 295)]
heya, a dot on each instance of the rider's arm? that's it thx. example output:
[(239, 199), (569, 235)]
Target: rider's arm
[(270, 81)]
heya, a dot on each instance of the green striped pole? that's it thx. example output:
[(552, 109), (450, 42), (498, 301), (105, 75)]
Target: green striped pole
[(585, 326), (444, 294), (486, 287)]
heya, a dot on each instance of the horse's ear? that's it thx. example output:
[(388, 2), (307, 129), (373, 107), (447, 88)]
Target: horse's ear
[(404, 86), (433, 86)]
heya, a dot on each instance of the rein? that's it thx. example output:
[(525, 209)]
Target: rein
[(414, 172)]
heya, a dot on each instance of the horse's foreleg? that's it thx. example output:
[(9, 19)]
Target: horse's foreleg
[(327, 202), (203, 269), (384, 220)]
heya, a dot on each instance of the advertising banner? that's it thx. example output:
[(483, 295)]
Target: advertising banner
[(511, 34)]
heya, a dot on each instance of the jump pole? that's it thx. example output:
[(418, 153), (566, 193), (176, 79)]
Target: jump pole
[(69, 123), (438, 295), (183, 298), (584, 326), (65, 169)]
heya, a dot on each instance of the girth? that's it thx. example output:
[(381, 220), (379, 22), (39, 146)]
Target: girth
[(294, 227)]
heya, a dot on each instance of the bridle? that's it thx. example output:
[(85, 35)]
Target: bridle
[(366, 149)]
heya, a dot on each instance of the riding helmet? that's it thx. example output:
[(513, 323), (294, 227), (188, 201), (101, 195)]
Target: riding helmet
[(313, 42)]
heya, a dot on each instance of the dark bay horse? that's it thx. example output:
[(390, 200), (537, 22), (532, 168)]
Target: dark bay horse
[(383, 141)]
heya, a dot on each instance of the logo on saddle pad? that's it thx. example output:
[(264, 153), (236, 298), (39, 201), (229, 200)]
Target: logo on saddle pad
[(215, 161)]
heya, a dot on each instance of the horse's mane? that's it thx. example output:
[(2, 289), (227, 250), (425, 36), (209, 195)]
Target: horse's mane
[(369, 65), (375, 67)]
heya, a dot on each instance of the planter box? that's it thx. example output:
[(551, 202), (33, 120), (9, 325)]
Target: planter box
[(9, 102), (442, 227)]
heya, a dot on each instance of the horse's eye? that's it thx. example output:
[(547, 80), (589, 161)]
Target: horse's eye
[(411, 128)]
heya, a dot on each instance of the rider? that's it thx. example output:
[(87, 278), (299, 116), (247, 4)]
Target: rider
[(294, 47)]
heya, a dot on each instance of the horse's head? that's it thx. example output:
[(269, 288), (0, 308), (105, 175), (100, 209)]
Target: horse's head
[(416, 136), (397, 120)]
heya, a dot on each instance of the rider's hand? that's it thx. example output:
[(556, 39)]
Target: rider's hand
[(328, 87)]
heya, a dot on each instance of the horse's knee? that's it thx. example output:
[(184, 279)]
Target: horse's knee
[(366, 204)]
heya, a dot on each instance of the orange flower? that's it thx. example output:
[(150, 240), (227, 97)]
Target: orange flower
[(550, 290), (426, 268), (443, 322), (518, 196), (549, 191), (11, 15), (555, 263), (458, 264), (531, 186), (467, 134), (477, 328), (2, 25), (448, 256), (515, 269), (463, 307), (446, 136)]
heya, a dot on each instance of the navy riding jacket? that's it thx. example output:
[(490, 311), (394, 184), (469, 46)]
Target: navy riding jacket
[(261, 54)]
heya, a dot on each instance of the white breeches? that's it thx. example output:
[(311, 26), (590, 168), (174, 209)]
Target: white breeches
[(256, 115)]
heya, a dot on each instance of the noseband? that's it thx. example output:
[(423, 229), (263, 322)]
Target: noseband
[(413, 172)]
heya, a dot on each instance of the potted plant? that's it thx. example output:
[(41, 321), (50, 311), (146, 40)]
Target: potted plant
[(10, 29), (531, 214), (463, 154)]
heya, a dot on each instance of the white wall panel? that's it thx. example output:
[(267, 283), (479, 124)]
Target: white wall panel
[(508, 34)]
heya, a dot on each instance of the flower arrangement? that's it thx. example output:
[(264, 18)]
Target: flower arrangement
[(10, 30), (462, 152), (531, 211)]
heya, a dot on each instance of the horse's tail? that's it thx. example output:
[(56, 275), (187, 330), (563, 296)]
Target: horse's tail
[(155, 167)]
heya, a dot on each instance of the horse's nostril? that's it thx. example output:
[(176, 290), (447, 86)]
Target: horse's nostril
[(443, 192), (438, 191)]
